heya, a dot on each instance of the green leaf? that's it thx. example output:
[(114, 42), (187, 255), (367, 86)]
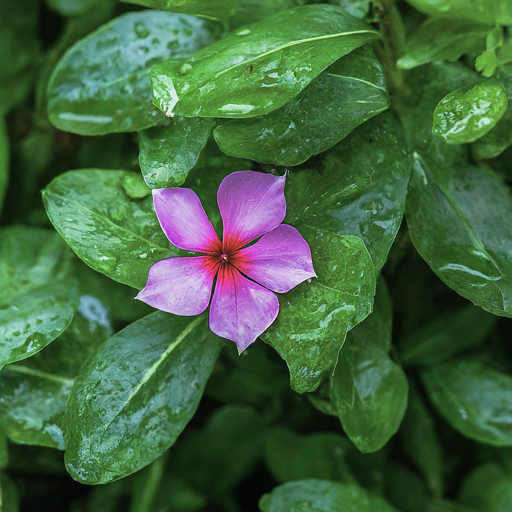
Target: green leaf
[(446, 335), (39, 295), (73, 7), (345, 95), (405, 489), (315, 316), (114, 234), (421, 443), (260, 67), (475, 399), (217, 458), (289, 456), (32, 406), (458, 219), (443, 39), (146, 484), (469, 113), (8, 494), (368, 390), (322, 496), (135, 395), (101, 85), (256, 10), (358, 8), (212, 9), (4, 162), (168, 152), (485, 11), (357, 188), (4, 450), (486, 63)]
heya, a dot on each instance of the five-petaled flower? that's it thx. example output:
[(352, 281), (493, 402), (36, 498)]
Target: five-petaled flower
[(252, 205)]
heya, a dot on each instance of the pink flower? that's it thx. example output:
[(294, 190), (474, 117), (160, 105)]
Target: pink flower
[(251, 204)]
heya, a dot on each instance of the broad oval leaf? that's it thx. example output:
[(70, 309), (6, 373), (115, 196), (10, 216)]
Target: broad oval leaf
[(315, 316), (459, 218), (345, 95), (135, 395), (259, 67), (101, 85), (39, 294), (485, 11), (475, 399), (168, 152), (443, 39), (212, 9), (469, 113), (113, 233), (368, 391), (357, 188), (322, 496), (32, 406)]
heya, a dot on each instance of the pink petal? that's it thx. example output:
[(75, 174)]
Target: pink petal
[(184, 220), (251, 204), (181, 286), (280, 260), (241, 310)]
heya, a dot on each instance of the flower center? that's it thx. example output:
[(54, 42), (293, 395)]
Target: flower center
[(223, 258)]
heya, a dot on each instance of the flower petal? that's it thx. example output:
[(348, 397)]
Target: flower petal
[(181, 286), (251, 204), (241, 310), (279, 260), (184, 220)]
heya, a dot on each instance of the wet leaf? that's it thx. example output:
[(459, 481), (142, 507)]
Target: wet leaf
[(114, 234), (475, 399), (357, 188), (443, 39), (469, 113), (39, 293), (260, 67), (345, 95), (315, 316), (101, 85), (212, 9), (132, 399), (168, 152), (322, 496)]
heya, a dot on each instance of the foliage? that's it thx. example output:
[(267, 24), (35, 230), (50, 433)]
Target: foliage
[(385, 383)]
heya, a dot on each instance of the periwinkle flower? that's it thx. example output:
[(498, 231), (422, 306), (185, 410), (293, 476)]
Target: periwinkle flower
[(252, 205)]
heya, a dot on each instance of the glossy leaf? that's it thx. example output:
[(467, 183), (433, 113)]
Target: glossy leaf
[(4, 162), (32, 405), (475, 399), (322, 496), (421, 443), (101, 85), (260, 67), (39, 295), (485, 11), (469, 113), (446, 335), (357, 188), (458, 221), (368, 391), (345, 95), (290, 456), (8, 494), (443, 39), (315, 316), (119, 236), (72, 7), (132, 399), (168, 152), (212, 9)]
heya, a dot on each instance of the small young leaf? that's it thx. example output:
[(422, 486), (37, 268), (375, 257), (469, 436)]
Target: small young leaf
[(486, 63), (344, 96), (469, 113), (260, 67), (113, 233), (168, 152), (101, 85), (135, 395)]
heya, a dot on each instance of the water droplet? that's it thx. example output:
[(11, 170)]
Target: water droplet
[(243, 32), (141, 30), (185, 68), (173, 45)]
